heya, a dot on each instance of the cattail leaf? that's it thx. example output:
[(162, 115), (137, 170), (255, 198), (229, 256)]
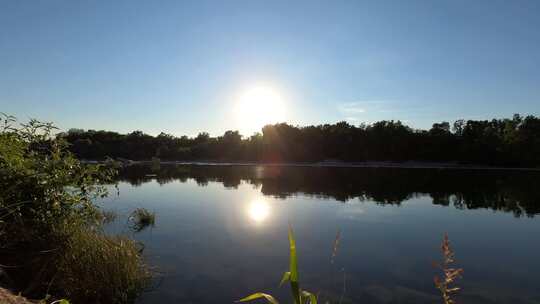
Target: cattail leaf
[(293, 269), (286, 277), (293, 262), (259, 295), (311, 297)]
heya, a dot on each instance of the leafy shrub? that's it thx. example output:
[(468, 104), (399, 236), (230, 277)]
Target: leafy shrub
[(50, 228)]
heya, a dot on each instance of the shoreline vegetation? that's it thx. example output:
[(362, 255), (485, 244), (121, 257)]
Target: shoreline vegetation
[(510, 142), (7, 297), (52, 241), (337, 164)]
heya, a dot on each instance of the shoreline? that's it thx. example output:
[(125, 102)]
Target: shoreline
[(8, 297), (332, 164)]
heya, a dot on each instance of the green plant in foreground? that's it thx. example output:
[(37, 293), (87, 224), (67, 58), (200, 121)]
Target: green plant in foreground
[(299, 296), (51, 229)]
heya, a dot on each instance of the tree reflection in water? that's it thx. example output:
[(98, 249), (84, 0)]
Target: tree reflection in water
[(517, 192)]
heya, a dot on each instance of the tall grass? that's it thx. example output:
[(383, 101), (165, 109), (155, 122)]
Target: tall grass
[(97, 268)]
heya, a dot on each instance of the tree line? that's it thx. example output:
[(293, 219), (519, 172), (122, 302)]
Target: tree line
[(505, 142)]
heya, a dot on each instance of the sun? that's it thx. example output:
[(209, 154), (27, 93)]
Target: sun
[(258, 106)]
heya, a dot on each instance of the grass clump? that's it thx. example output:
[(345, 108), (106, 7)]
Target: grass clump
[(96, 268), (141, 218)]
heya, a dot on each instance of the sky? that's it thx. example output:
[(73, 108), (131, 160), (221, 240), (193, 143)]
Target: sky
[(181, 66)]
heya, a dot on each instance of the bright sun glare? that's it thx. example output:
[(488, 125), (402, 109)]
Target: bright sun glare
[(258, 106), (258, 210)]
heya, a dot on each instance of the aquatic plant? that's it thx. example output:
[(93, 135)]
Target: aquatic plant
[(299, 295), (450, 274), (141, 218)]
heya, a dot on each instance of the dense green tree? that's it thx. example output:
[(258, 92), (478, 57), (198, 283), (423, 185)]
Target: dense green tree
[(508, 142)]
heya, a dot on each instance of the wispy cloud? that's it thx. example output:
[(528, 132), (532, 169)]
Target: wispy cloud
[(355, 112), (362, 106), (352, 119), (352, 108), (409, 112)]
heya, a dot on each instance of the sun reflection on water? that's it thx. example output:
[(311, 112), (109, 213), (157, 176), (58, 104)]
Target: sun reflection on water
[(258, 210)]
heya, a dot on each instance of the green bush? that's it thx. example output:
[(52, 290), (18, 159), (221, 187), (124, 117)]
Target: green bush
[(41, 183), (50, 228)]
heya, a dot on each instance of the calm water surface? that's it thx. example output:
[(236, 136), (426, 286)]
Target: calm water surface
[(221, 232)]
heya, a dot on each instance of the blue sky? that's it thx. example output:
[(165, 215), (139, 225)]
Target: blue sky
[(176, 66)]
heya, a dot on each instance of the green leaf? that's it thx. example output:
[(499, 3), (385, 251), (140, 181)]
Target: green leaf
[(286, 277), (295, 289), (259, 295), (293, 264), (293, 269), (308, 295)]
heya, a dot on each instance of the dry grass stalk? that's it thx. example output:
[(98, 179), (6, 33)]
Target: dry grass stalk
[(450, 274), (335, 247)]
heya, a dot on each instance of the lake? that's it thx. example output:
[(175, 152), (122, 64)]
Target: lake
[(221, 231)]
